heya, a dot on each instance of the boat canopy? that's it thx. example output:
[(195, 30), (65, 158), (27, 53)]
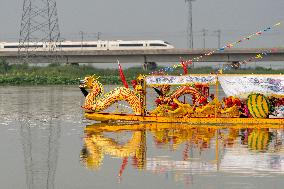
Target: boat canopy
[(243, 85), (233, 84), (159, 80)]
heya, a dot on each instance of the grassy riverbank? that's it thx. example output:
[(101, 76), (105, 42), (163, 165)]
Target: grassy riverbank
[(55, 74)]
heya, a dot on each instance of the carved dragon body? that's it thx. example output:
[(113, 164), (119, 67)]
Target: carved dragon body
[(97, 101), (186, 90), (164, 109), (171, 106)]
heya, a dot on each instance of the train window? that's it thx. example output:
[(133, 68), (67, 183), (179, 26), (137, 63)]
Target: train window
[(11, 47), (167, 42), (70, 46), (131, 45), (74, 46), (22, 46), (89, 45), (157, 45)]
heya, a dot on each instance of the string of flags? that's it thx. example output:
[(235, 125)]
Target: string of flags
[(251, 59), (185, 63)]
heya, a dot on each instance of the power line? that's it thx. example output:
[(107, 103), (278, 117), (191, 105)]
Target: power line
[(82, 38), (219, 37), (99, 35), (204, 33)]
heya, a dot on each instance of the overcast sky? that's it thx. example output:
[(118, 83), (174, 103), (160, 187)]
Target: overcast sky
[(158, 19)]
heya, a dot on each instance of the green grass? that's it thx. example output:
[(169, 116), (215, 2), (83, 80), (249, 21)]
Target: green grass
[(54, 74)]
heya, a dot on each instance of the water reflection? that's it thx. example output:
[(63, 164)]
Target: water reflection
[(259, 151), (39, 118), (96, 146), (186, 150)]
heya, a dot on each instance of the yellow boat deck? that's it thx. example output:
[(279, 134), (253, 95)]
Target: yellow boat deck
[(110, 117)]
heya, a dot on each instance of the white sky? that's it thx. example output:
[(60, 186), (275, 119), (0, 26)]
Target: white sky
[(158, 19)]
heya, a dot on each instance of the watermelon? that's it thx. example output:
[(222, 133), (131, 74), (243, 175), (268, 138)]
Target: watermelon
[(258, 105)]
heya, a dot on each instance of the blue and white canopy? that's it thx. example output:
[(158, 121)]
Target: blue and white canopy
[(233, 85), (243, 85), (180, 80)]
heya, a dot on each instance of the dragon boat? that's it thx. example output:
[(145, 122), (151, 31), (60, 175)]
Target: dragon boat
[(193, 99)]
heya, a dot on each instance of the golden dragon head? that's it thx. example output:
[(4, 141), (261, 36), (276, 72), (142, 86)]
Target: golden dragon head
[(90, 82)]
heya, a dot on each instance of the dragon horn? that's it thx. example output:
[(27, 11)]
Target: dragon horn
[(158, 91), (96, 77)]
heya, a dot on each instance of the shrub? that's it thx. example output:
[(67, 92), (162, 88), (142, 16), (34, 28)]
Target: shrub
[(4, 66)]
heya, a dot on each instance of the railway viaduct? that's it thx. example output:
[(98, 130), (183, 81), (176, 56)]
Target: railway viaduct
[(145, 56)]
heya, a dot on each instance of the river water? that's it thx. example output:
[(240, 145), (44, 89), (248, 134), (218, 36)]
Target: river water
[(46, 143)]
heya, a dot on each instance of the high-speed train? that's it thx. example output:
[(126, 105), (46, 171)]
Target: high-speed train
[(90, 45)]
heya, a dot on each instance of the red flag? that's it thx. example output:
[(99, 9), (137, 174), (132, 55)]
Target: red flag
[(122, 77), (184, 66)]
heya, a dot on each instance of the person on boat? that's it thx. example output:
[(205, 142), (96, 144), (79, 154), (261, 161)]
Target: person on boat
[(244, 111)]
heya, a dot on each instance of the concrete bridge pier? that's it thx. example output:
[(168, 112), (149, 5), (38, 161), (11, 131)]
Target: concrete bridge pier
[(236, 65), (149, 65)]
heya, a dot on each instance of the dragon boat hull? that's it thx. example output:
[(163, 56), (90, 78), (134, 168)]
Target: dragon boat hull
[(110, 117)]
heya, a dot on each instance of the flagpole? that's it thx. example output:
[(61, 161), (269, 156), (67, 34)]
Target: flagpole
[(122, 77)]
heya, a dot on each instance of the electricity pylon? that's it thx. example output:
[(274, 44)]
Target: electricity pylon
[(39, 29), (189, 25)]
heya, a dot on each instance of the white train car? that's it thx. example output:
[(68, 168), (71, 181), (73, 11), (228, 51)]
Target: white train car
[(115, 45), (91, 45)]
